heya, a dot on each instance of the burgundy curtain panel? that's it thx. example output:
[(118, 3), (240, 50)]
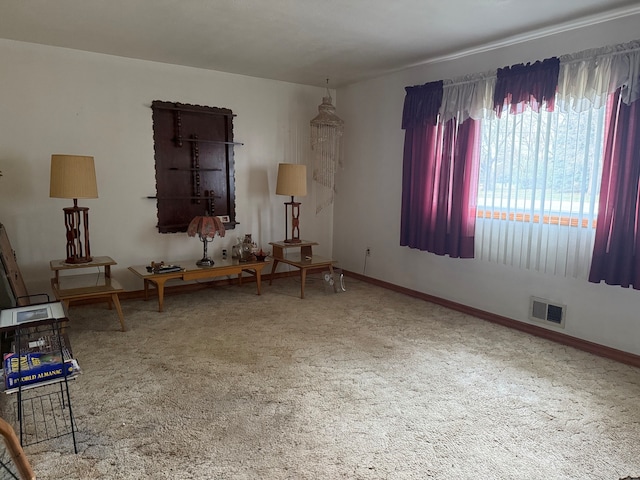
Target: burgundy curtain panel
[(616, 251), (439, 178)]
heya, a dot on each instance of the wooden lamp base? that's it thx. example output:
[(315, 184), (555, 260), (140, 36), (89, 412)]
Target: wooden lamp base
[(78, 249), (295, 221)]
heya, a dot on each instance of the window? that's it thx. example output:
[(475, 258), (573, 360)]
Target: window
[(524, 189), (538, 188)]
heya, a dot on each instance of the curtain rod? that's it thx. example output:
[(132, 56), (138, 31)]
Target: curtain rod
[(490, 75), (597, 55)]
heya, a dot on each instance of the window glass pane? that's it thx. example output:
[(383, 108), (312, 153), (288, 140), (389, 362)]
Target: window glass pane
[(544, 162), (538, 189)]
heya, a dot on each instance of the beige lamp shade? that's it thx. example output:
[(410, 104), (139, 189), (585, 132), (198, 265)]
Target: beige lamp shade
[(292, 180), (73, 176)]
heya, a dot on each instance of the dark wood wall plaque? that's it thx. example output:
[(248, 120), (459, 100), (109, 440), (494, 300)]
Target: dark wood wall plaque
[(194, 164)]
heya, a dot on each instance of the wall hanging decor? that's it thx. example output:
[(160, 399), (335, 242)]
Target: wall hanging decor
[(194, 149), (326, 143)]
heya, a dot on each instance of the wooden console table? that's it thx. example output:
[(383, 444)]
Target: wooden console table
[(68, 288), (302, 258), (190, 271)]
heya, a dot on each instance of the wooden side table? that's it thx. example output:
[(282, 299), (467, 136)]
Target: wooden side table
[(298, 255), (68, 288)]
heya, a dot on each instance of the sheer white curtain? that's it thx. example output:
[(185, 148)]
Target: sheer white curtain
[(540, 172), (470, 96), (587, 78)]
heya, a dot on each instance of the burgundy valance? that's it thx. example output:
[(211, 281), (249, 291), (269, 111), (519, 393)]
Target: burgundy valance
[(532, 84), (422, 104)]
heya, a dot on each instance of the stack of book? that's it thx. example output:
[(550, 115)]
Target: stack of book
[(162, 268), (40, 360)]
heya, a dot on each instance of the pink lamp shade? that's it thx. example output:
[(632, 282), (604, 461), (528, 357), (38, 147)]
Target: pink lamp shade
[(204, 226)]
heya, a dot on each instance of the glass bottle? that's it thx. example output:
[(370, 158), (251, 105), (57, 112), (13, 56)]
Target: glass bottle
[(247, 248)]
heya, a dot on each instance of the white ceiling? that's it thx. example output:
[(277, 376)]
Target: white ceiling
[(300, 41)]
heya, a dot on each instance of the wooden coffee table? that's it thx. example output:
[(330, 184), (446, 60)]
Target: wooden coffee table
[(190, 271)]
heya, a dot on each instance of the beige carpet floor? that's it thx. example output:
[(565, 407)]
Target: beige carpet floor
[(365, 384)]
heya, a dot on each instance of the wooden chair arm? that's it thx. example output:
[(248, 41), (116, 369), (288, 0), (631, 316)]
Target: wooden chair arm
[(15, 450)]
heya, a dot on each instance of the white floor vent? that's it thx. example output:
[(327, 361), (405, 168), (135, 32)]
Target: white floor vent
[(542, 310)]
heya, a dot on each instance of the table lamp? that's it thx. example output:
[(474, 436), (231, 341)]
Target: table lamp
[(74, 176), (292, 181), (205, 227)]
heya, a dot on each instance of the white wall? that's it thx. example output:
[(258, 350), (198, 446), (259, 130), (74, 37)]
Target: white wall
[(367, 207), (55, 100)]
